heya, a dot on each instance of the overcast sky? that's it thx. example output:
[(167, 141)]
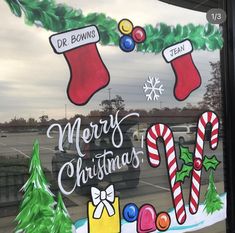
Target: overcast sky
[(33, 80)]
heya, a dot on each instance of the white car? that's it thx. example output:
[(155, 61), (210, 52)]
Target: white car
[(184, 133), (138, 134)]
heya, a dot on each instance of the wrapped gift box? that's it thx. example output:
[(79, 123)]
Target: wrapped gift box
[(106, 223)]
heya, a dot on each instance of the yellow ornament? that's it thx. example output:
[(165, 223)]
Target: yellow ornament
[(125, 26)]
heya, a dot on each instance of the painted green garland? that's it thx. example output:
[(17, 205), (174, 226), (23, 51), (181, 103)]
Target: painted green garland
[(60, 17)]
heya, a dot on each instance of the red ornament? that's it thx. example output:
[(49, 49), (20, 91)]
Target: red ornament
[(139, 34)]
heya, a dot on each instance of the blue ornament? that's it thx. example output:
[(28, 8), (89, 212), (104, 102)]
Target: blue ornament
[(130, 212), (127, 44)]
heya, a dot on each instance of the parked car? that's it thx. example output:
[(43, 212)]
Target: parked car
[(3, 134), (184, 133), (126, 177), (138, 134)]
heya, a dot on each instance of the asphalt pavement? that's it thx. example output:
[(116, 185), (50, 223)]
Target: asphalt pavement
[(152, 180)]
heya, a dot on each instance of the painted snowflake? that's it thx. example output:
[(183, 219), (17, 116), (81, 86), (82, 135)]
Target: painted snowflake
[(152, 88)]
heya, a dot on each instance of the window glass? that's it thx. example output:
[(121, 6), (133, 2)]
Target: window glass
[(111, 117), (193, 129)]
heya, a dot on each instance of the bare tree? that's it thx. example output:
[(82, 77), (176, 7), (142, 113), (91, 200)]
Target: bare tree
[(112, 105), (118, 103), (212, 98), (18, 122), (31, 122), (43, 118)]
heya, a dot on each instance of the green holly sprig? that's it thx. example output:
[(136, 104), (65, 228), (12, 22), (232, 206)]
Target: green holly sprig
[(60, 17), (188, 164)]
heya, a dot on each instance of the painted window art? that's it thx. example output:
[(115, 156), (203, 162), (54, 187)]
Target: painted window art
[(112, 117)]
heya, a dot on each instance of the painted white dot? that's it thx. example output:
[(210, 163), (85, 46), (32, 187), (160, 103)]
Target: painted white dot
[(142, 141)]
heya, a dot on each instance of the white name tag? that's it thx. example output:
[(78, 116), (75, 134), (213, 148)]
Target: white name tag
[(66, 41), (177, 50)]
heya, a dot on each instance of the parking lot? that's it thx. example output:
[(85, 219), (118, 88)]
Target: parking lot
[(152, 183)]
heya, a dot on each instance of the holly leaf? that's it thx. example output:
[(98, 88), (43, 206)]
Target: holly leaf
[(210, 163), (186, 155), (183, 173)]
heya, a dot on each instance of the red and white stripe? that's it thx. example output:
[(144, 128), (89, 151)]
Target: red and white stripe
[(162, 131), (206, 118)]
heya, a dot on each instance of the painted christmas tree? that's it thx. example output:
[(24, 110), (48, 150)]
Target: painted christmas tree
[(36, 210), (213, 202), (62, 220)]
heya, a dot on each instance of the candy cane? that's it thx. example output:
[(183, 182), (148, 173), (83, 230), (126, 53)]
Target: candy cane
[(162, 131), (206, 118)]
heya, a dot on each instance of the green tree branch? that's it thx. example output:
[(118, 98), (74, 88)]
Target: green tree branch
[(60, 17)]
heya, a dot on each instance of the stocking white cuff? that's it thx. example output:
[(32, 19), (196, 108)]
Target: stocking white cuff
[(177, 50), (65, 41)]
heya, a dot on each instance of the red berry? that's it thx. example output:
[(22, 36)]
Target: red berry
[(197, 164), (139, 35)]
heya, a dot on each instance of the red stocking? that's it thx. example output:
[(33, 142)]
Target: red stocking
[(187, 76), (88, 73)]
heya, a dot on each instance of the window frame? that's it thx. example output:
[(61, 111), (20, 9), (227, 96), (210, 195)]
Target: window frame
[(228, 86)]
